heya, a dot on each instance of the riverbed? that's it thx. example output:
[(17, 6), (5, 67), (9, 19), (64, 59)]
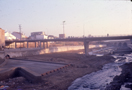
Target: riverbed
[(101, 79)]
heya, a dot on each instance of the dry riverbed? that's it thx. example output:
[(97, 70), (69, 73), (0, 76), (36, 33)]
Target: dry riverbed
[(60, 80)]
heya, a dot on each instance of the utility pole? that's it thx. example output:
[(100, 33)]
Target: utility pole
[(63, 27), (20, 31), (20, 35), (83, 30)]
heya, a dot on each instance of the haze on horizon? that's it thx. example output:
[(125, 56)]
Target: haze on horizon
[(82, 17)]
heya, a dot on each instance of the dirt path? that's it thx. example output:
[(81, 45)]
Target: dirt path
[(61, 80)]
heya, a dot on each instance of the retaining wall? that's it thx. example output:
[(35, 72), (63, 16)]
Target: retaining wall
[(36, 51)]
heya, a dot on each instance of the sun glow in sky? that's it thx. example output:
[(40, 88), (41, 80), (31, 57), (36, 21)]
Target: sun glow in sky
[(95, 17)]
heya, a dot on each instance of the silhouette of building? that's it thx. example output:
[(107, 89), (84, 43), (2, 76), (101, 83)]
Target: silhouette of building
[(61, 36)]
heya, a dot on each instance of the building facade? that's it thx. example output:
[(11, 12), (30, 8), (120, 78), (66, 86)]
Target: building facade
[(19, 35), (2, 37), (61, 36), (51, 37), (38, 35), (41, 37), (9, 36)]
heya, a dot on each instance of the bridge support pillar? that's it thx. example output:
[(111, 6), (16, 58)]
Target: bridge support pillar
[(86, 47), (47, 45), (43, 45), (40, 44), (15, 45), (27, 44), (23, 44), (35, 44)]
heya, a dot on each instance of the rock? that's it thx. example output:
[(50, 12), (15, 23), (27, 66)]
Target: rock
[(85, 86), (128, 86)]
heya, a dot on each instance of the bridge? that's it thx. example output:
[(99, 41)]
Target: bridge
[(86, 40)]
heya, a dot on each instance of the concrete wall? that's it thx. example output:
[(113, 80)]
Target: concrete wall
[(2, 37), (27, 52)]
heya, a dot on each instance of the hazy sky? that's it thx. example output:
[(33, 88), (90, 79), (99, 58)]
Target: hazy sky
[(95, 17)]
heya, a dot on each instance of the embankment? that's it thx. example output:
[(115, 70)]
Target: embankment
[(36, 51)]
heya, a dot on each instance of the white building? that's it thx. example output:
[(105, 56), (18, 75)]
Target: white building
[(41, 37), (9, 36), (38, 35), (18, 35)]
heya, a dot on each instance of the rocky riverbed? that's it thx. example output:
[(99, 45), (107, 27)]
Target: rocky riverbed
[(113, 76), (124, 80)]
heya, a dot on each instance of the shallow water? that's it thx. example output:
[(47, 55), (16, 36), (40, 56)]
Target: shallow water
[(100, 79)]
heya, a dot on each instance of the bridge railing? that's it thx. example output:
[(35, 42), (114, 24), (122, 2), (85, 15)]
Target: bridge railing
[(108, 35), (86, 36), (113, 35)]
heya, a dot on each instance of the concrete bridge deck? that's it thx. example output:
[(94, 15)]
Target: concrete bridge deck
[(76, 39)]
